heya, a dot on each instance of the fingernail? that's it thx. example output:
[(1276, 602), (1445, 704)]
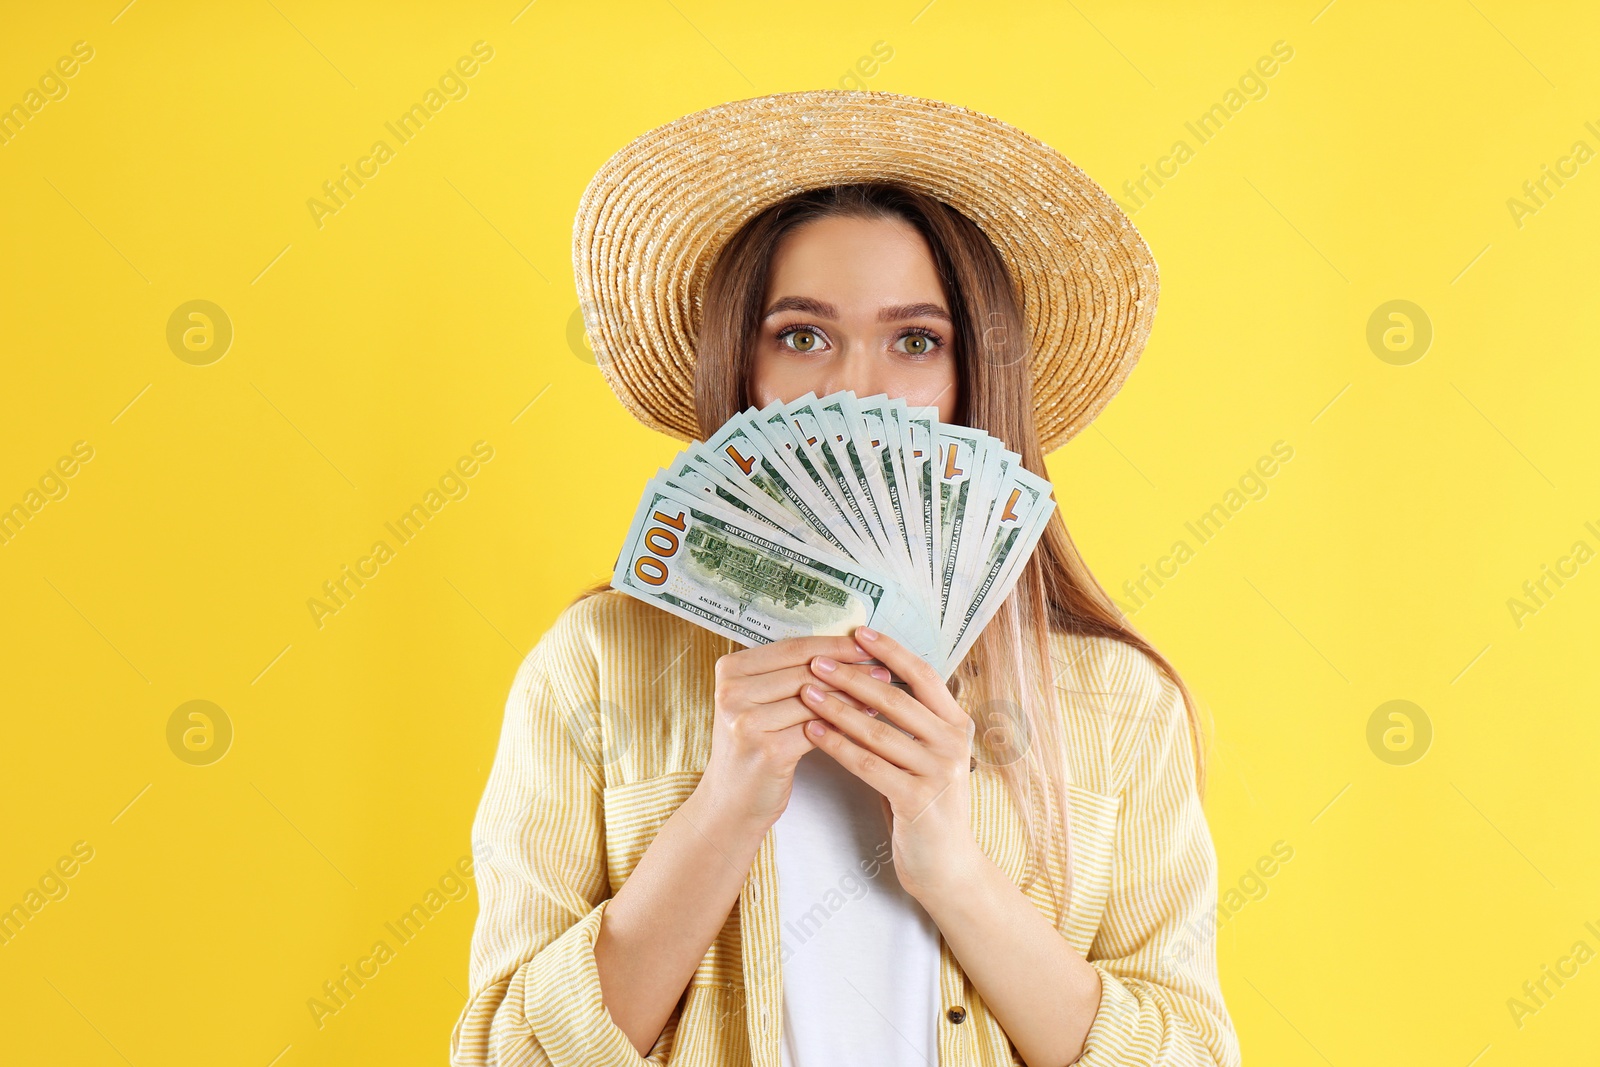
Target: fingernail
[(872, 711), (812, 692), (824, 664), (866, 633), (880, 674), (814, 729)]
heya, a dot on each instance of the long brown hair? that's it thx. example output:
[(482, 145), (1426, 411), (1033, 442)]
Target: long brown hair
[(1007, 680)]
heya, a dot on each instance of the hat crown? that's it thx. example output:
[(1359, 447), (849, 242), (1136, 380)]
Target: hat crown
[(655, 216)]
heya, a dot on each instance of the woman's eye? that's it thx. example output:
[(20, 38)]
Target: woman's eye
[(800, 339), (917, 344)]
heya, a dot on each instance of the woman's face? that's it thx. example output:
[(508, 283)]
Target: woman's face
[(856, 304)]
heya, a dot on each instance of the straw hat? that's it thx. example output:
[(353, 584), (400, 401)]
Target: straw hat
[(655, 216)]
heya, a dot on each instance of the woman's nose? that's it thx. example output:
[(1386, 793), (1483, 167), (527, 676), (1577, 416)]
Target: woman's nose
[(855, 370)]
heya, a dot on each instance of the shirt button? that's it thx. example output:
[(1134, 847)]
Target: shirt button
[(956, 1014)]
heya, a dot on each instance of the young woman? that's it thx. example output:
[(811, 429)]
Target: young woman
[(695, 852)]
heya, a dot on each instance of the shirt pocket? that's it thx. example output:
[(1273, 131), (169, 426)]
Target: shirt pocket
[(998, 827), (1094, 841), (635, 813)]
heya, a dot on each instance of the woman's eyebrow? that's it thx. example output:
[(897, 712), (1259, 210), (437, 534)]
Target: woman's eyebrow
[(913, 311), (820, 308), (823, 309)]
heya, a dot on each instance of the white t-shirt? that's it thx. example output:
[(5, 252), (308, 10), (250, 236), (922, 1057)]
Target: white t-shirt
[(860, 955)]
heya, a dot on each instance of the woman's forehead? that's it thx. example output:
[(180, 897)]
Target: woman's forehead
[(857, 266)]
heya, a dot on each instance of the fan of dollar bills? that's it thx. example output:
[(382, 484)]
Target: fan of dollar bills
[(825, 513)]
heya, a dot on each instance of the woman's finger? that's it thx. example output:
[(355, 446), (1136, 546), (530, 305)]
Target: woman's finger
[(871, 749), (775, 685), (896, 705), (783, 714), (790, 652), (926, 686)]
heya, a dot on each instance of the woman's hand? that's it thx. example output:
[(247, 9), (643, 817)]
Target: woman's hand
[(923, 777), (757, 737)]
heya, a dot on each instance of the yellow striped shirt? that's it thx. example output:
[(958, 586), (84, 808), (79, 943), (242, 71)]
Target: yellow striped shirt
[(607, 730)]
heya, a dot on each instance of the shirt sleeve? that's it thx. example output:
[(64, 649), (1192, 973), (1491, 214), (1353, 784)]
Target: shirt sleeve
[(539, 838), (1161, 999)]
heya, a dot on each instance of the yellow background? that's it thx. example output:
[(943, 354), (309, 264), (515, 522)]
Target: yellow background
[(428, 314)]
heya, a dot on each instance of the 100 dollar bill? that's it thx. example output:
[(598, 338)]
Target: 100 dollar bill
[(688, 556)]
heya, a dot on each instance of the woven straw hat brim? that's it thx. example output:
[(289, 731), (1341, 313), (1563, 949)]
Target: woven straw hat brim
[(654, 218)]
